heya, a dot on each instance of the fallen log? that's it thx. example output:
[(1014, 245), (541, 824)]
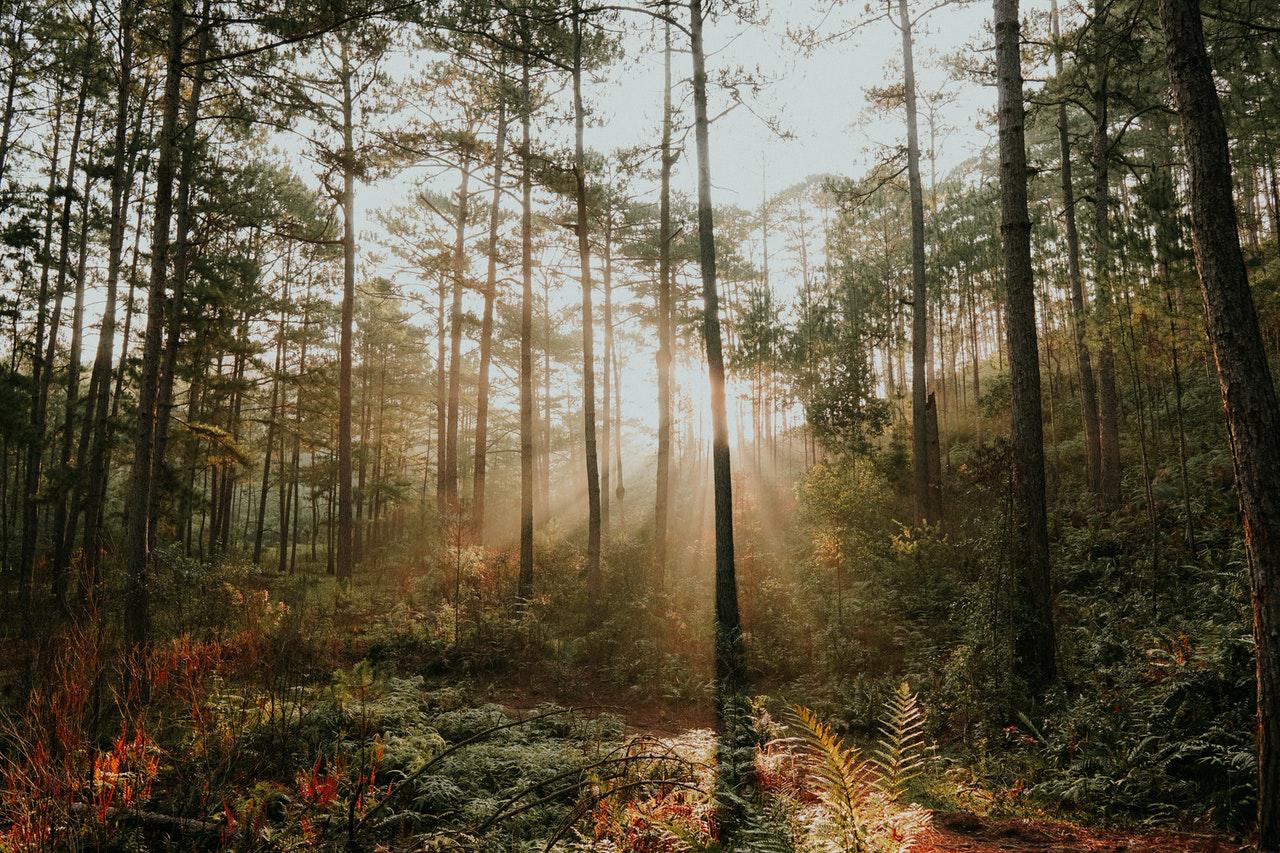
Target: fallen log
[(154, 821)]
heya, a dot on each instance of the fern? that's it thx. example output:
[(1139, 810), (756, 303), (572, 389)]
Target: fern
[(844, 777), (900, 753)]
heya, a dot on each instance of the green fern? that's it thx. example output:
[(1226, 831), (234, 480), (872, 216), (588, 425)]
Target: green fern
[(901, 753)]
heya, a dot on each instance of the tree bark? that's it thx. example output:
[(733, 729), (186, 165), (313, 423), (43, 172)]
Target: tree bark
[(1248, 390), (595, 582), (138, 513), (1034, 653)]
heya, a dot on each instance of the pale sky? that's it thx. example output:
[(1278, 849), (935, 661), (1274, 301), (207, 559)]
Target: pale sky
[(818, 97)]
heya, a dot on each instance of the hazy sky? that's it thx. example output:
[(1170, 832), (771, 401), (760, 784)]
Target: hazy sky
[(818, 97)]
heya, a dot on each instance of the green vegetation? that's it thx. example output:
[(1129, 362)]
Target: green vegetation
[(405, 445)]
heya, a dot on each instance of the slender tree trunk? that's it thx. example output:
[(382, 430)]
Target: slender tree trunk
[(1084, 362), (486, 334), (138, 513), (525, 583), (594, 580), (730, 654), (266, 455), (618, 491), (662, 494), (346, 544), (926, 510), (64, 515), (606, 389), (455, 344), (298, 405), (285, 487), (362, 455), (442, 403), (181, 266), (1248, 390), (1034, 653), (1108, 397), (17, 35), (35, 442)]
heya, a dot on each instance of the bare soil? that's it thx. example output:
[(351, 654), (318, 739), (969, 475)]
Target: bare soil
[(967, 832)]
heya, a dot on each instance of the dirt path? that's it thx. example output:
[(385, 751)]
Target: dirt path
[(967, 832)]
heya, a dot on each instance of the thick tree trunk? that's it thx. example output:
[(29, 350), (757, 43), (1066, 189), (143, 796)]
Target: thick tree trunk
[(138, 513), (1034, 653), (595, 582), (1248, 390), (486, 334)]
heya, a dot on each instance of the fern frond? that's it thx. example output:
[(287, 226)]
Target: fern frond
[(900, 753), (844, 778)]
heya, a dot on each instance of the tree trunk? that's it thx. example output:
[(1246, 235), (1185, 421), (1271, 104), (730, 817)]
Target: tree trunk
[(181, 262), (1248, 390), (594, 580), (64, 515), (661, 497), (1034, 654), (138, 513), (346, 543), (730, 654), (606, 385), (266, 455), (455, 344), (525, 584), (926, 511), (16, 37), (122, 177), (1108, 397), (486, 334), (1084, 362)]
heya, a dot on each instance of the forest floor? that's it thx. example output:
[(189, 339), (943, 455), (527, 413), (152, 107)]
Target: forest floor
[(950, 831), (962, 831)]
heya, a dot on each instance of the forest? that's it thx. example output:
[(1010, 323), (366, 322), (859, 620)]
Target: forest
[(639, 425)]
